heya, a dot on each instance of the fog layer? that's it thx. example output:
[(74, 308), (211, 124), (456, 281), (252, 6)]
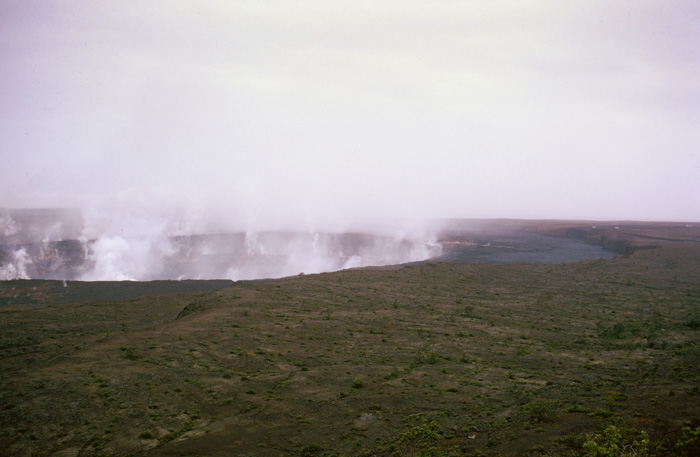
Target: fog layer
[(314, 111)]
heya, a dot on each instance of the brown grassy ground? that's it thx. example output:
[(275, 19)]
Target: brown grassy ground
[(428, 360)]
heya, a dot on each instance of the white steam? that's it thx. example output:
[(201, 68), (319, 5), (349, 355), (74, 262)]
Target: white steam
[(141, 244), (275, 254), (17, 267), (120, 259), (126, 245)]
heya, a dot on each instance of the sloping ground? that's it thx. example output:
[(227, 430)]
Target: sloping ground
[(430, 360)]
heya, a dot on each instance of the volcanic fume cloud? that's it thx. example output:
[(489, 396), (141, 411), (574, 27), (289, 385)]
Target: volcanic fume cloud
[(148, 244), (16, 268)]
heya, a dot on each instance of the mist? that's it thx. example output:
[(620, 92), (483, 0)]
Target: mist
[(172, 119), (143, 245)]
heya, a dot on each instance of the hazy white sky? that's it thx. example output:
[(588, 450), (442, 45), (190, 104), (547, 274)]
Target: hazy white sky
[(339, 110)]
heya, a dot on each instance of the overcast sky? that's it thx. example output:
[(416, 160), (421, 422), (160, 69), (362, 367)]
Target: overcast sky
[(339, 110)]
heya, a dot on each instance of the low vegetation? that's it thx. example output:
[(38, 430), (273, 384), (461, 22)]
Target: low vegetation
[(592, 358)]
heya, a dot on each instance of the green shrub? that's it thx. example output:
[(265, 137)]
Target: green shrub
[(129, 353), (421, 434), (689, 445), (602, 413), (614, 332), (614, 398), (540, 410), (393, 375), (614, 442), (467, 311), (358, 382), (312, 450), (249, 407)]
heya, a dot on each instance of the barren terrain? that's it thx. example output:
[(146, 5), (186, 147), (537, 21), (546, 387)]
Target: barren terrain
[(434, 359)]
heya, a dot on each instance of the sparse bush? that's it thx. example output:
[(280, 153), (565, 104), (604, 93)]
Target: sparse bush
[(540, 410), (602, 413), (572, 441), (689, 444), (575, 408), (358, 382), (614, 442), (614, 332), (521, 351), (614, 398), (249, 407), (129, 353), (175, 433), (421, 434), (393, 375), (432, 452), (312, 450), (467, 311)]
